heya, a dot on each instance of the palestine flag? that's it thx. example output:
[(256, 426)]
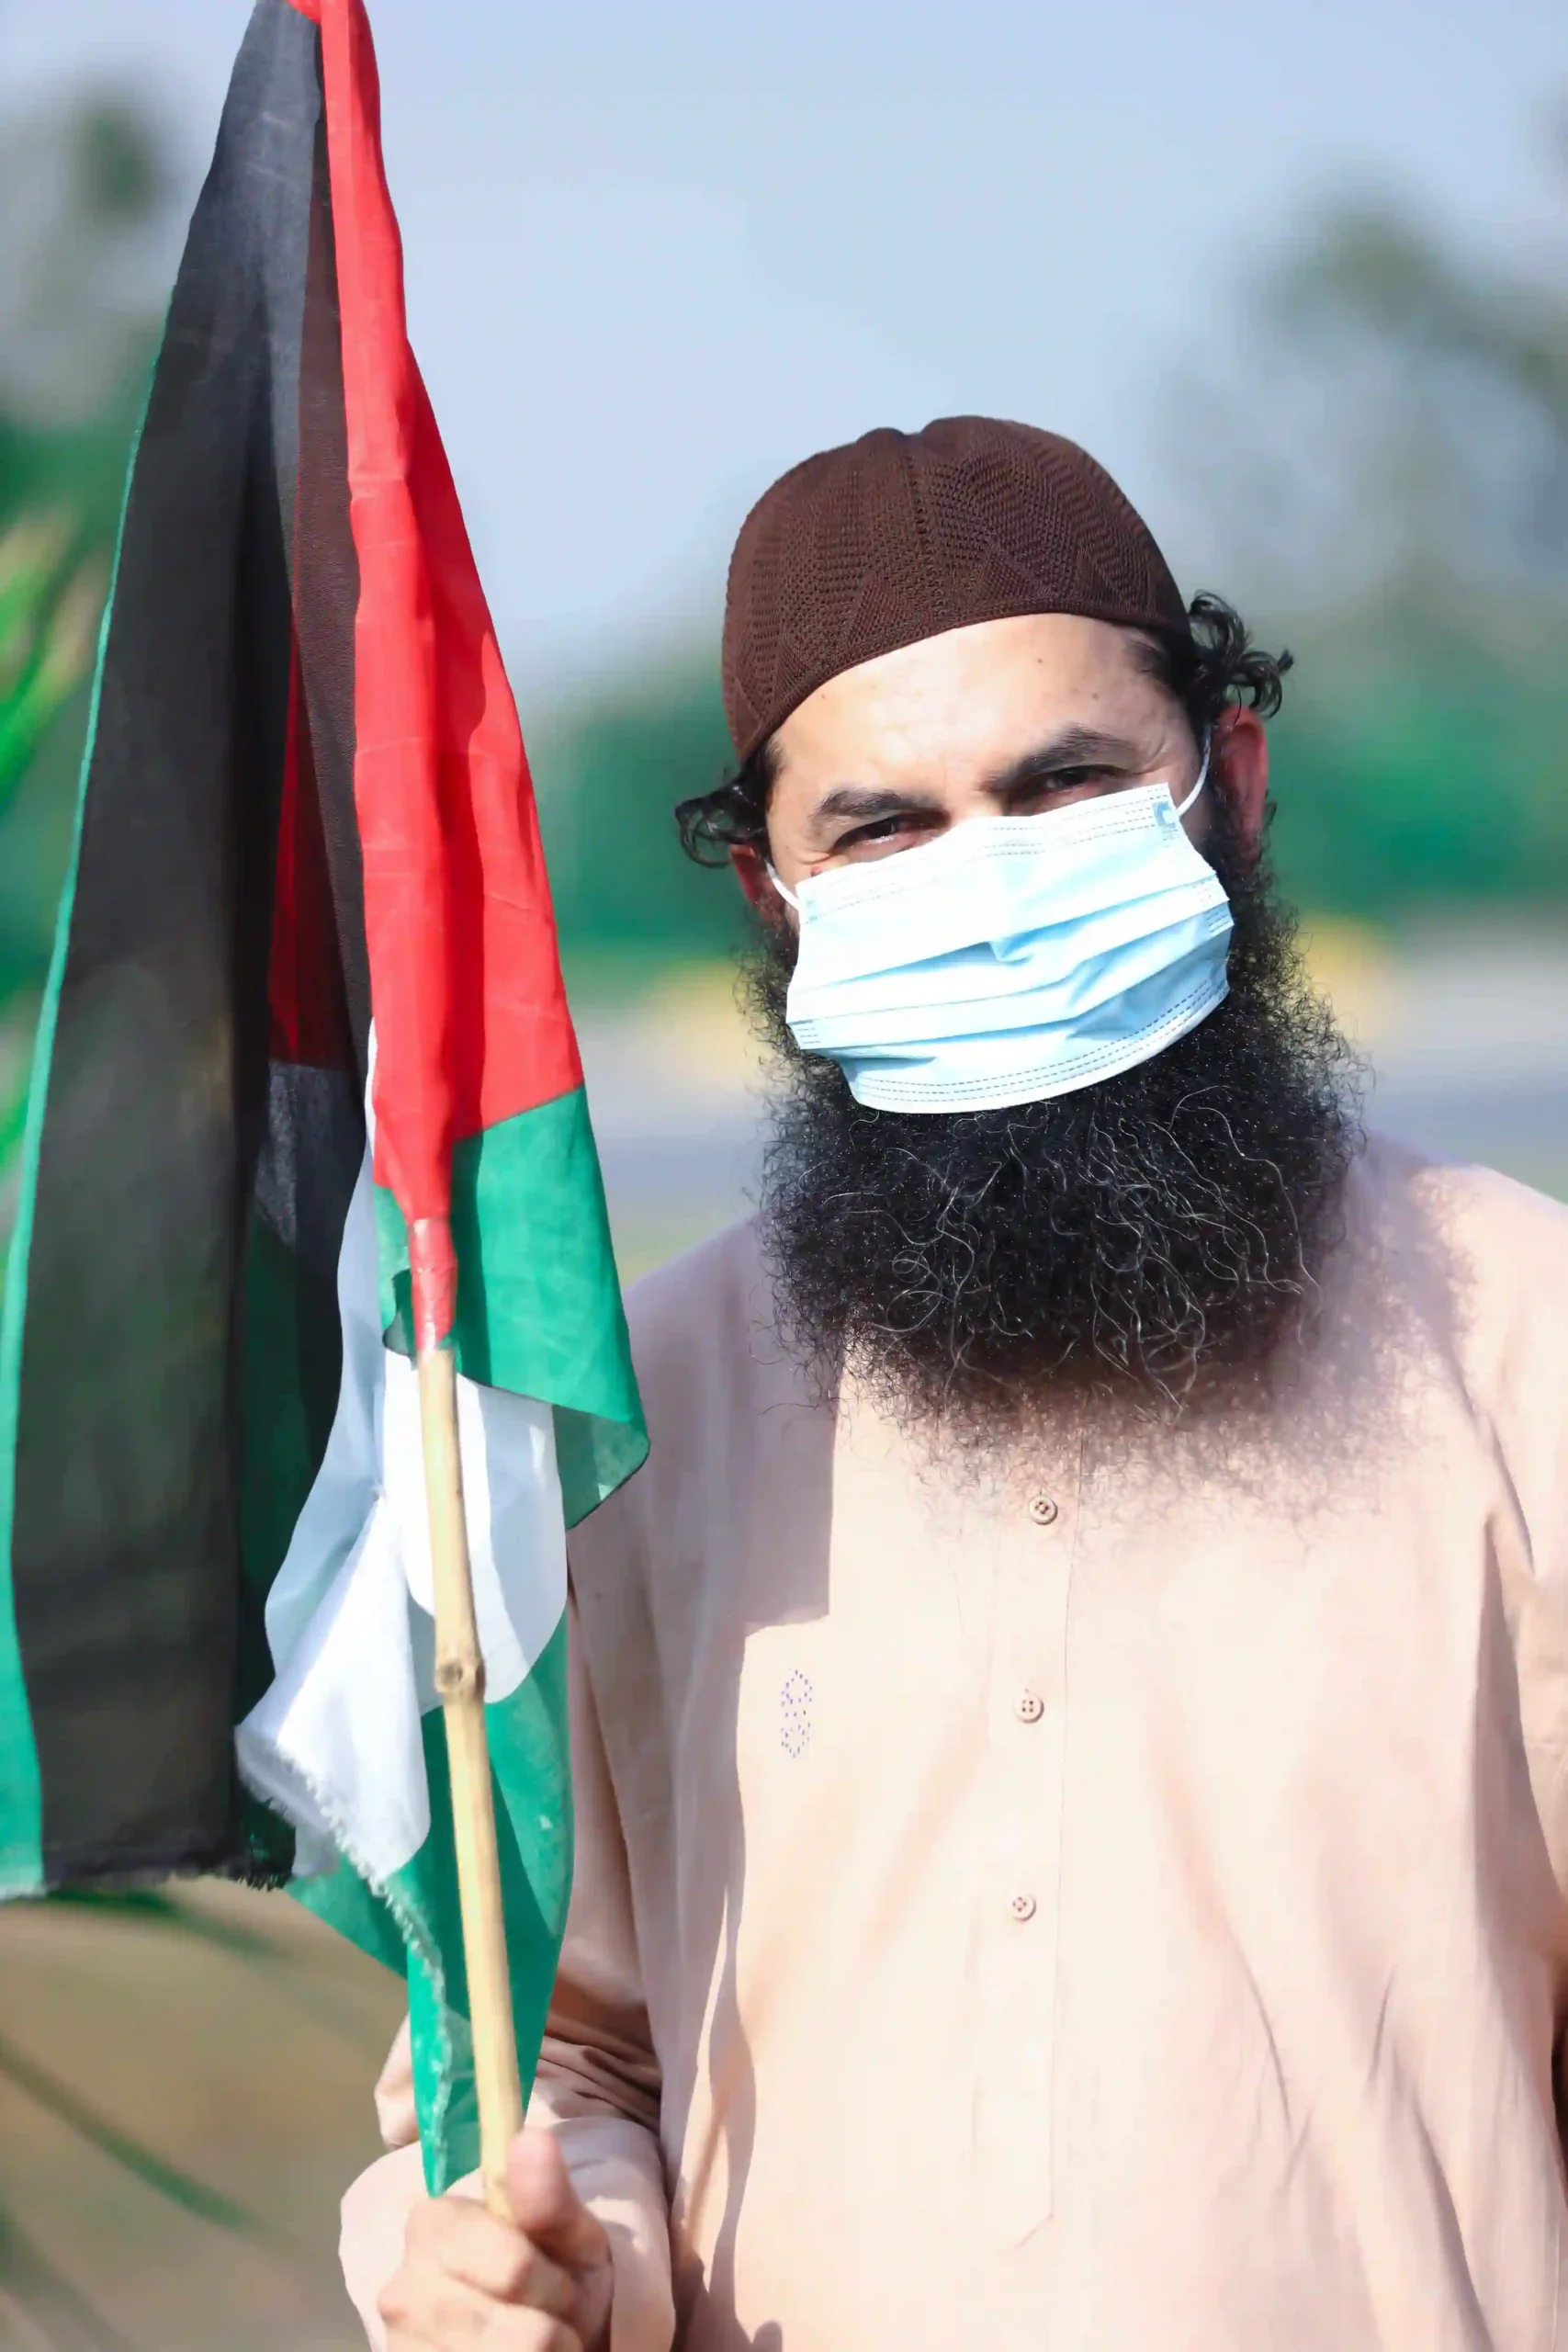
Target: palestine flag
[(305, 1022)]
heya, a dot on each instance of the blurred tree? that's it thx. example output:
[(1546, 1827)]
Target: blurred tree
[(1390, 473), (84, 188), (86, 193), (1457, 380)]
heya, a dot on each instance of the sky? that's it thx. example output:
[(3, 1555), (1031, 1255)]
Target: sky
[(656, 253)]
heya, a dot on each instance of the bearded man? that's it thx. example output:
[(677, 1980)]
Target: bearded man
[(1071, 1724)]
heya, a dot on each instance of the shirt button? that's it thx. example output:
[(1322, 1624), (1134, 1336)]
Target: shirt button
[(1042, 1510), (1022, 1906), (1029, 1706)]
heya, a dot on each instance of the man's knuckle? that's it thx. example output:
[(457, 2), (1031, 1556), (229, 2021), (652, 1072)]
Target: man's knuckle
[(518, 2271), (456, 2319), (392, 2303), (536, 2282)]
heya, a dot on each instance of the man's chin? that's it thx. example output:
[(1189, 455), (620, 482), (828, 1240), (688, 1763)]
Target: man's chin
[(1153, 1238)]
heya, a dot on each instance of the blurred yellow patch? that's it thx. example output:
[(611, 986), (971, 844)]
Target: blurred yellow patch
[(693, 1020), (1361, 973)]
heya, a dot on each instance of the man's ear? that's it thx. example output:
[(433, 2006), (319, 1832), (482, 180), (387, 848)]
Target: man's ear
[(751, 873), (1241, 756)]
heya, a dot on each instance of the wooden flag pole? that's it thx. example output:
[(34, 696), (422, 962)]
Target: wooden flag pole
[(460, 1679)]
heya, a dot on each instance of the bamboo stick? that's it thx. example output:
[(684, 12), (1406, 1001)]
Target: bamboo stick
[(459, 1678)]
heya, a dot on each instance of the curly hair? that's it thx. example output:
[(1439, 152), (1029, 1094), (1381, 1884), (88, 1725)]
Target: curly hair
[(1213, 665)]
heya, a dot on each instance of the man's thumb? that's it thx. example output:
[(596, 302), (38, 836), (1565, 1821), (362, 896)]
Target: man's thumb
[(547, 2208)]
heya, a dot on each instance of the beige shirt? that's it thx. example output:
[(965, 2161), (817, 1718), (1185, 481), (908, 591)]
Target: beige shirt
[(1116, 1905)]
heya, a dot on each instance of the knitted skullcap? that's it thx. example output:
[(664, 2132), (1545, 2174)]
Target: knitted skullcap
[(902, 536)]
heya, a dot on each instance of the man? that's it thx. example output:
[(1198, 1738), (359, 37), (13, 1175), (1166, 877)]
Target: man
[(1072, 1753)]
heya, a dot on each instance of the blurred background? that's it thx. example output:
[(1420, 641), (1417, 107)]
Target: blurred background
[(1299, 277)]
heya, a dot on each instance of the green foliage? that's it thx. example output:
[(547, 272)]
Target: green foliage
[(1420, 792), (609, 776), (46, 615)]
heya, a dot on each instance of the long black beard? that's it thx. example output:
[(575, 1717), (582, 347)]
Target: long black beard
[(1153, 1238)]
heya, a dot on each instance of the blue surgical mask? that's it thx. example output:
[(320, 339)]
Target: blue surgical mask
[(1014, 958)]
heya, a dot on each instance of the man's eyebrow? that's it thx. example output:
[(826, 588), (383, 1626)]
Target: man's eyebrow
[(1075, 747), (864, 803)]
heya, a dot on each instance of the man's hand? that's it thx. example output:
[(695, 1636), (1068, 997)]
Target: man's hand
[(469, 2280)]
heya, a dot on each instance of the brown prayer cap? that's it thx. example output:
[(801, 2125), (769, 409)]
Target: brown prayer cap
[(901, 535)]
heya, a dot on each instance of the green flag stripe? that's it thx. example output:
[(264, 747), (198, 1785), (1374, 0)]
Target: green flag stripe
[(538, 1303)]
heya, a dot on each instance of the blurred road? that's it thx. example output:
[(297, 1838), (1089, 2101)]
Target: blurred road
[(1467, 1041), (1473, 1061)]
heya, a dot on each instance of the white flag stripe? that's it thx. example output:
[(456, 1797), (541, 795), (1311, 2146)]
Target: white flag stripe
[(335, 1743)]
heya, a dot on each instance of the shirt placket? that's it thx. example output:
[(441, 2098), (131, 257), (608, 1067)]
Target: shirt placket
[(1032, 1541)]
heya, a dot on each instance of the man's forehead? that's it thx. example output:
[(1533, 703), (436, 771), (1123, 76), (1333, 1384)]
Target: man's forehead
[(984, 693)]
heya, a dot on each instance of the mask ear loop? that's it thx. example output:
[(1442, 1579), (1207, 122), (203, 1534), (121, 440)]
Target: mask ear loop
[(1202, 778), (786, 893)]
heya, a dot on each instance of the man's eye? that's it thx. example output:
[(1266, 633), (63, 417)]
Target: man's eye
[(1044, 791), (1073, 779), (873, 836)]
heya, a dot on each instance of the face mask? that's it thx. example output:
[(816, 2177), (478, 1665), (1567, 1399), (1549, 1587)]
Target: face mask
[(1014, 958)]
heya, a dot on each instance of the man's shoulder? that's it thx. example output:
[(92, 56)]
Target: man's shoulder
[(703, 1337), (1515, 1230), (1498, 1248), (724, 1403), (718, 1287)]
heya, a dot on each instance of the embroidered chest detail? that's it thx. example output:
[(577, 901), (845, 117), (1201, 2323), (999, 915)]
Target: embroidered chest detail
[(794, 1713)]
